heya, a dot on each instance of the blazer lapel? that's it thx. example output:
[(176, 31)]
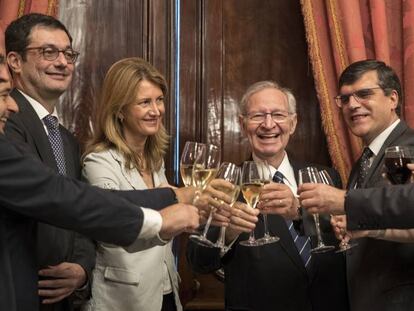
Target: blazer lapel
[(375, 168), (35, 129), (129, 175)]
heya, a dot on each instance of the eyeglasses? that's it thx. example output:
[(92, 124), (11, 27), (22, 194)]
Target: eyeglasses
[(361, 96), (51, 53), (277, 116)]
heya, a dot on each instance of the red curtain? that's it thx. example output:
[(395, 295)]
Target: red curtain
[(340, 32), (12, 9)]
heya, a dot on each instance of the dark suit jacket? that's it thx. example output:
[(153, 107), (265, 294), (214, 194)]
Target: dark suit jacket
[(273, 277), (380, 208), (30, 191), (54, 245), (381, 273)]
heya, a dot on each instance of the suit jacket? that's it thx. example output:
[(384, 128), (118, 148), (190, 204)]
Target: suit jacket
[(381, 273), (273, 276), (54, 245), (138, 277), (380, 208), (29, 191)]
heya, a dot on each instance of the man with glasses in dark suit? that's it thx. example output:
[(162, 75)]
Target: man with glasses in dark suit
[(380, 270)]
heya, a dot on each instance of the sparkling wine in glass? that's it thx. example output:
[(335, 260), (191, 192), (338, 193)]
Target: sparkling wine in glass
[(267, 177), (190, 153), (396, 160), (251, 186), (311, 175), (231, 173), (204, 171), (344, 245)]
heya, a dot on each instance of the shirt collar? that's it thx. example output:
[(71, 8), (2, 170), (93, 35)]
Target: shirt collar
[(377, 143), (285, 168), (38, 107)]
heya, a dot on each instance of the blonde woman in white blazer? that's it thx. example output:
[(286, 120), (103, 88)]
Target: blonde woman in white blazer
[(126, 152)]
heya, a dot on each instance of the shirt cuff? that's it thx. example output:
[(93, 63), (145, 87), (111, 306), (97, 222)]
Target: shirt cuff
[(152, 224)]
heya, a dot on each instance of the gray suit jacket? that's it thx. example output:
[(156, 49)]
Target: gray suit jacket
[(381, 273)]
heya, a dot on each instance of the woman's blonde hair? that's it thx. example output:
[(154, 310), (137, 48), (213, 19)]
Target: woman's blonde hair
[(120, 89)]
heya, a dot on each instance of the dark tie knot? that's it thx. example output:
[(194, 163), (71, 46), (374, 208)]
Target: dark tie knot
[(51, 122), (366, 154), (278, 178)]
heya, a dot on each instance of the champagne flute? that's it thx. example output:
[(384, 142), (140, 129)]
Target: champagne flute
[(311, 175), (344, 245), (396, 160), (205, 170), (251, 186), (190, 153), (267, 177), (231, 173)]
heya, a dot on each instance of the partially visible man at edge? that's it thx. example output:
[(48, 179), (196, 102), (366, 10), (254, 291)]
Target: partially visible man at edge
[(380, 270), (30, 192)]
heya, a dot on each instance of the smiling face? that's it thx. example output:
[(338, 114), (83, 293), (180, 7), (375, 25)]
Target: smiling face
[(143, 117), (7, 104), (369, 117), (42, 79), (268, 139)]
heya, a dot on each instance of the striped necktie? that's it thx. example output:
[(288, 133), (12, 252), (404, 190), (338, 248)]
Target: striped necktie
[(302, 243), (56, 142)]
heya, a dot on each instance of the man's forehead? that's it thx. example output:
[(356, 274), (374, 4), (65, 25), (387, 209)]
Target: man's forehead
[(268, 97), (368, 78), (45, 33)]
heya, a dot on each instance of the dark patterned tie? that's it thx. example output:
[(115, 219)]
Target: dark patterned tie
[(56, 143), (364, 164), (302, 243)]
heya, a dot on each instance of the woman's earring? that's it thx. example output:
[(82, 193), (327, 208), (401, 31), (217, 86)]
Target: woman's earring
[(121, 118)]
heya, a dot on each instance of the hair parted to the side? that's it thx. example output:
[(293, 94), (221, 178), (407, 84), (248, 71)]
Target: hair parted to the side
[(261, 85), (387, 78), (17, 35), (119, 89)]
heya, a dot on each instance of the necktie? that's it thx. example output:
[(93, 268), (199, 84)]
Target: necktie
[(56, 143), (364, 164), (302, 243)]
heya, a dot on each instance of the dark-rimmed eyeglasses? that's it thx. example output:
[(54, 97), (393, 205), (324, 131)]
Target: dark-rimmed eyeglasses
[(51, 53), (361, 96), (260, 117)]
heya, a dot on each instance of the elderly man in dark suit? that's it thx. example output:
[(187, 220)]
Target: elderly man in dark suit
[(282, 275), (380, 270)]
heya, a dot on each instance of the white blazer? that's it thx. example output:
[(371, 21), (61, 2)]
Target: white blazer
[(121, 280)]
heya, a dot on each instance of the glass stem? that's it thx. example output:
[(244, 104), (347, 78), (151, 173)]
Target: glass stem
[(266, 229), (222, 237), (318, 229), (207, 226)]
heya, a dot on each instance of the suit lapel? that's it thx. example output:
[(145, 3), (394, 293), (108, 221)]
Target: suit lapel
[(278, 227), (35, 129), (375, 168), (129, 175)]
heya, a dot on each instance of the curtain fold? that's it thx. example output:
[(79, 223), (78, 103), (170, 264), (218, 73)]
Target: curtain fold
[(12, 9), (340, 32)]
